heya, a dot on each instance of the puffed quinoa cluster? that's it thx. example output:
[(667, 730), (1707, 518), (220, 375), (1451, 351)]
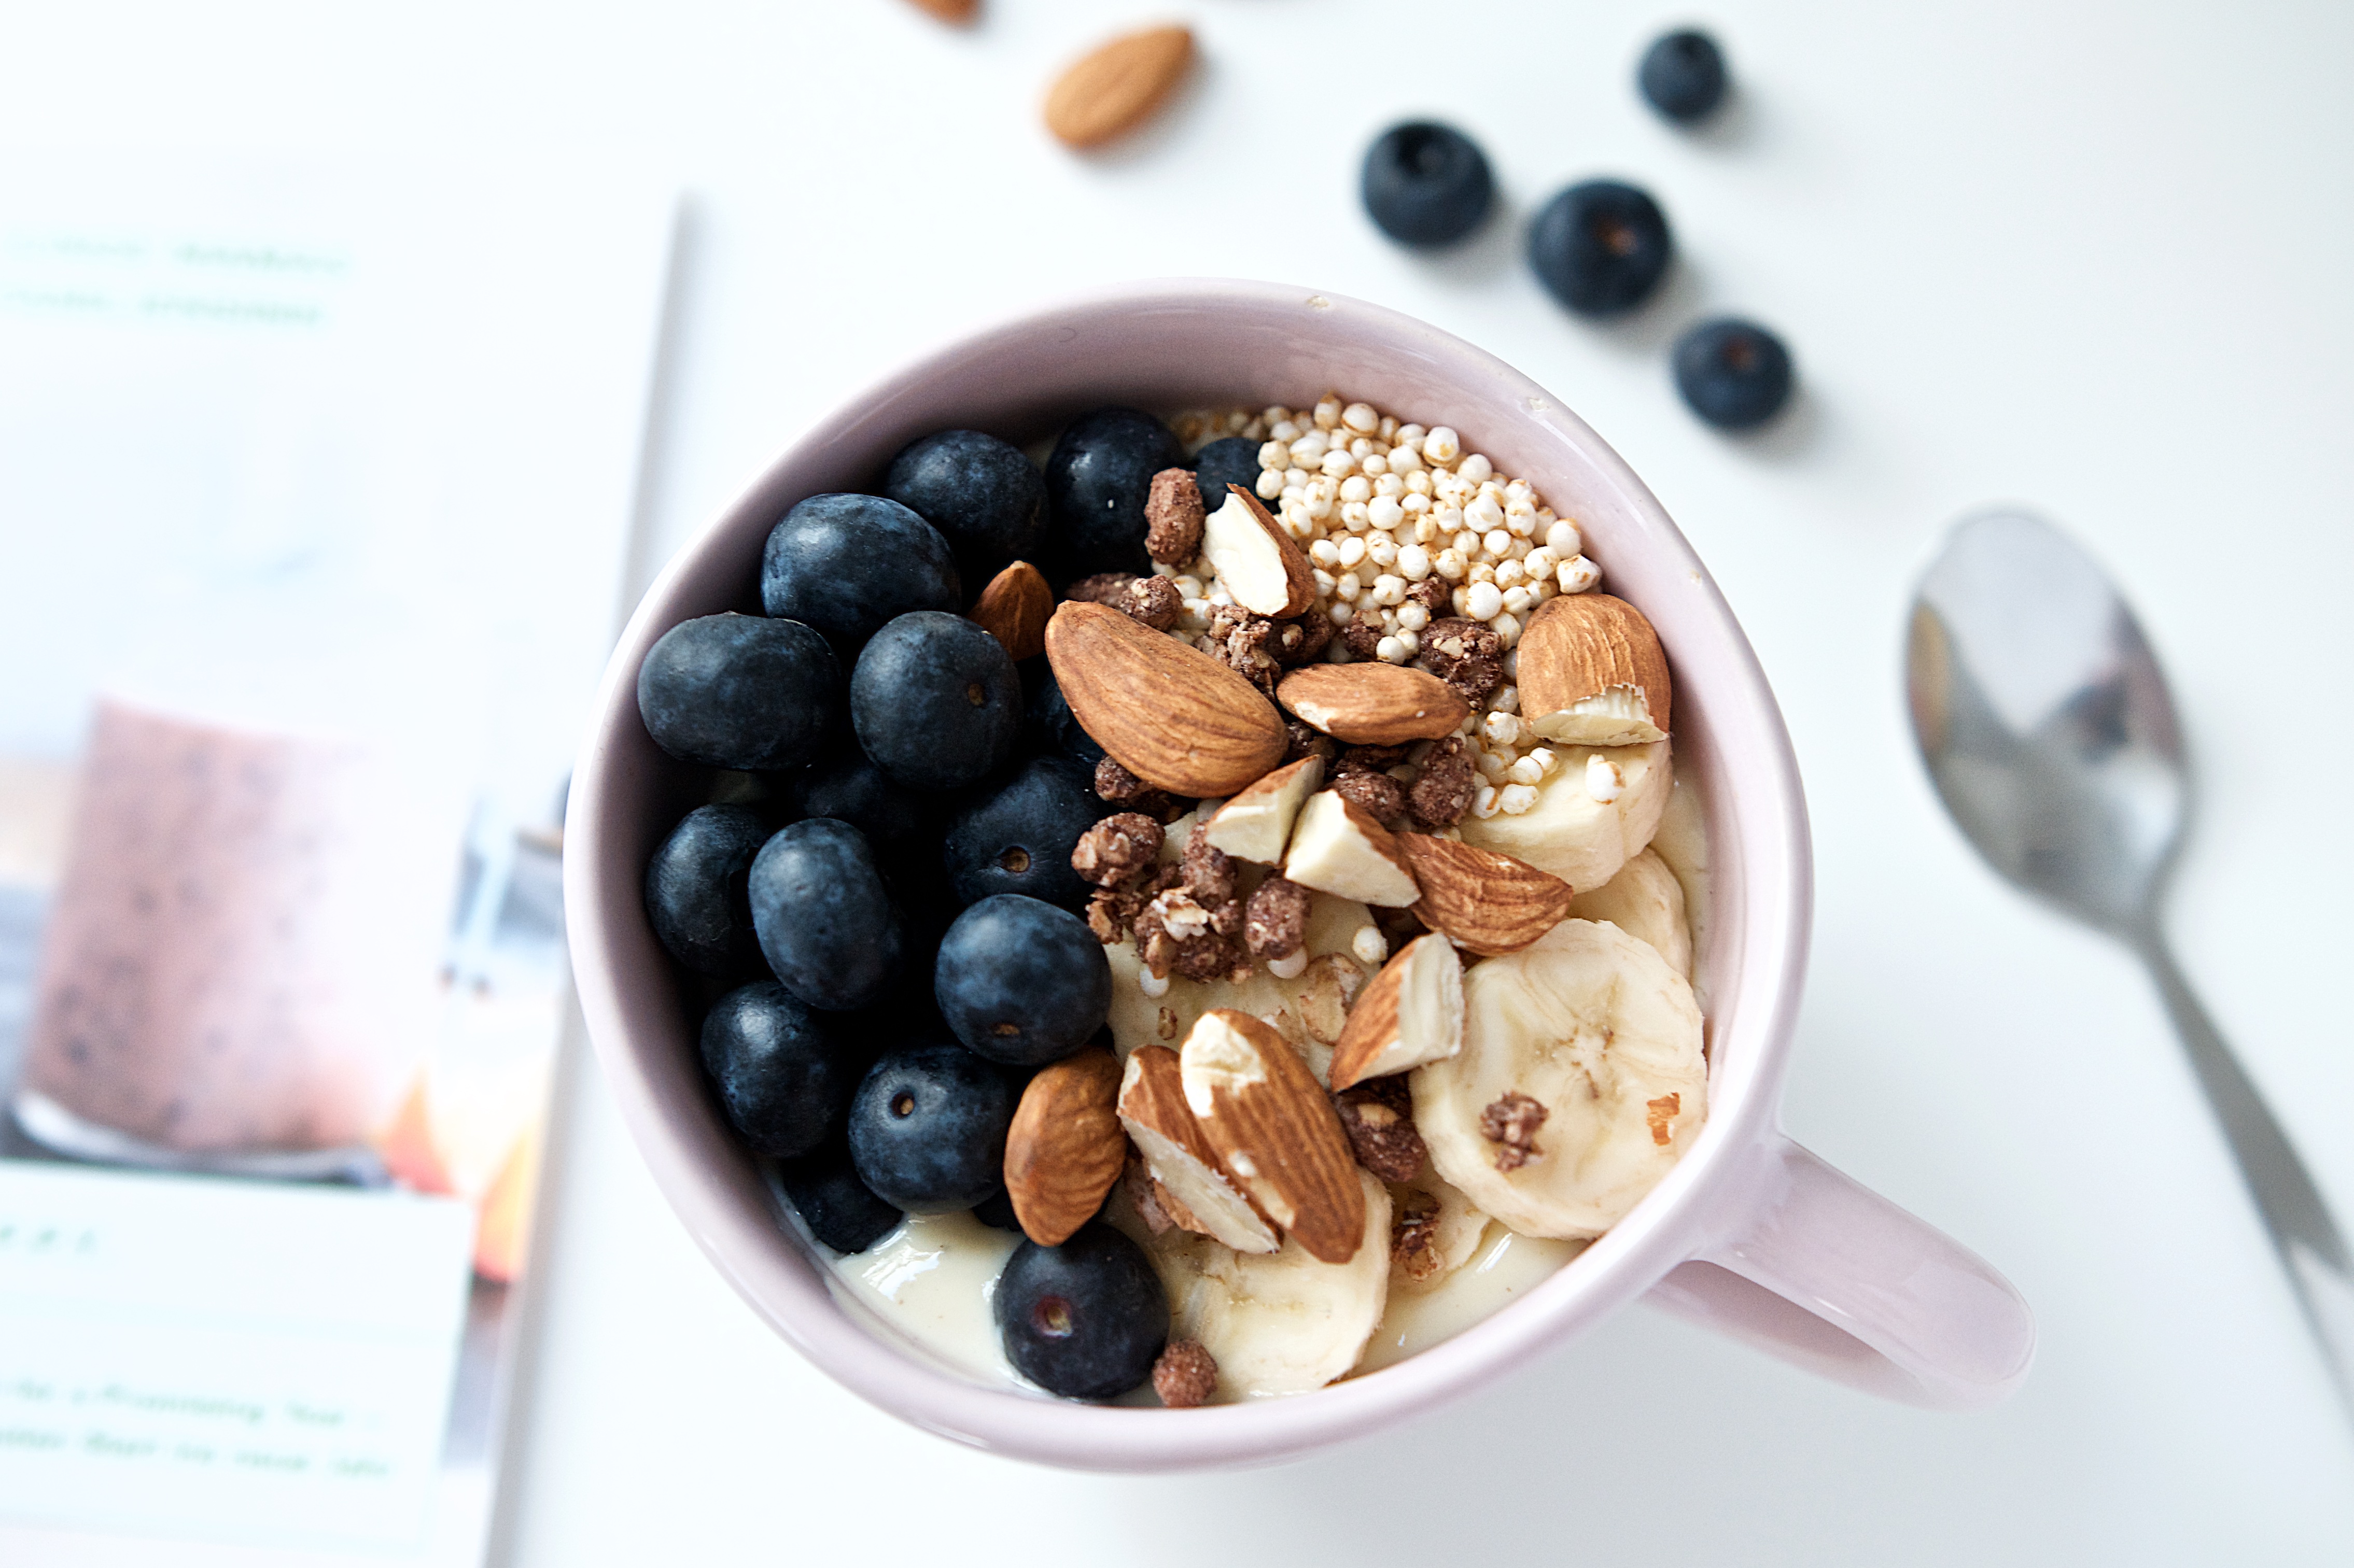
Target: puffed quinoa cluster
[(1383, 508)]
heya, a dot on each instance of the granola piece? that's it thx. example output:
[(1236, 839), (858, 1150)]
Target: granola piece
[(1238, 639), (1117, 848), (1104, 587), (1465, 654), (1173, 515), (1121, 788), (1381, 797), (1306, 740), (1414, 1237), (1112, 912), (1186, 1375), (1510, 1122), (1173, 932), (1363, 638), (1373, 758), (1301, 642), (1434, 593), (1448, 782), (1378, 1116), (1154, 601), (1209, 871), (1276, 925)]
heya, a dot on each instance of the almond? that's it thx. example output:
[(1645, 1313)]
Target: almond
[(1275, 1131), (1197, 1192), (1592, 672), (1255, 824), (1488, 903), (956, 13), (1264, 571), (1336, 847), (1373, 704), (1064, 1149), (1013, 609), (1410, 1014), (1117, 86), (1170, 715)]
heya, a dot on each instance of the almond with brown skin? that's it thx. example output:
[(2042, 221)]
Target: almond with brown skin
[(1372, 703), (1170, 715), (1116, 88), (1066, 1147), (1262, 567), (1411, 1013), (1592, 672), (1275, 1131), (1197, 1193), (956, 13), (1488, 903), (1013, 609)]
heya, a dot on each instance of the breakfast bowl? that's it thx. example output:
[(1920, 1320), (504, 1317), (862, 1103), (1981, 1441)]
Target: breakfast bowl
[(1746, 1232)]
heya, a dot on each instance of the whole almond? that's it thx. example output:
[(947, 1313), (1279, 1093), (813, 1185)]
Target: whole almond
[(1170, 715), (1372, 703), (956, 13), (1013, 609), (1116, 88), (1592, 672), (1276, 1132), (1488, 902), (1066, 1147)]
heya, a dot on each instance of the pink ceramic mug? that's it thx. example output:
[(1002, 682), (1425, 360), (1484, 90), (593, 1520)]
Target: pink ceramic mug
[(1749, 1233)]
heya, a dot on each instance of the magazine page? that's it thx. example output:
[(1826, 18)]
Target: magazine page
[(316, 488)]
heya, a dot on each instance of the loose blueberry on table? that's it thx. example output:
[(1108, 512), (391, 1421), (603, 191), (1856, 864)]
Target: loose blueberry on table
[(1095, 944), (1601, 246), (1733, 374), (1682, 76), (1425, 183)]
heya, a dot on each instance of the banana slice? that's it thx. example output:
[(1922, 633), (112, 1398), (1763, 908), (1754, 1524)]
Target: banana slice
[(1646, 900), (1434, 1231), (1570, 833), (1580, 1082), (1277, 1322)]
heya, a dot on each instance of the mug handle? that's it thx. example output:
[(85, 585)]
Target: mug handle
[(1828, 1275)]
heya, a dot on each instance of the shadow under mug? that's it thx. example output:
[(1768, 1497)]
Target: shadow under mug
[(1749, 1233)]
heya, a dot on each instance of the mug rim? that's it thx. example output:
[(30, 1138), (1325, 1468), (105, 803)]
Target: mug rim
[(1758, 941)]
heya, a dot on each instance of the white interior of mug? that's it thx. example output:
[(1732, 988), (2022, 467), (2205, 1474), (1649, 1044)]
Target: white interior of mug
[(1165, 347)]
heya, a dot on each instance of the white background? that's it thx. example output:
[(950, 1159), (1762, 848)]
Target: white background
[(2091, 256)]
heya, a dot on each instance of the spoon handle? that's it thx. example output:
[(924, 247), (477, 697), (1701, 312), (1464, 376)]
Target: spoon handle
[(2311, 1248)]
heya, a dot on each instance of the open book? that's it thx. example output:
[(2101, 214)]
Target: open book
[(315, 498)]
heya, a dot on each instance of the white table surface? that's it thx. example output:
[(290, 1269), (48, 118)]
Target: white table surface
[(2090, 257)]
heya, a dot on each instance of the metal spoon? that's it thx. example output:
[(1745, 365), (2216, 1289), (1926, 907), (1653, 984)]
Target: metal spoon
[(2045, 721)]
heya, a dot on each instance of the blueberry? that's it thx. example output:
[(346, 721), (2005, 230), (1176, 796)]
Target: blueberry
[(826, 922), (1600, 248), (996, 1211), (849, 787), (782, 1078), (986, 498), (695, 889), (1054, 727), (1018, 837), (846, 564), (839, 1210), (1233, 461), (740, 691), (1096, 482), (1085, 1319), (1683, 75), (1427, 184), (936, 702), (1732, 373), (928, 1129), (1022, 981)]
